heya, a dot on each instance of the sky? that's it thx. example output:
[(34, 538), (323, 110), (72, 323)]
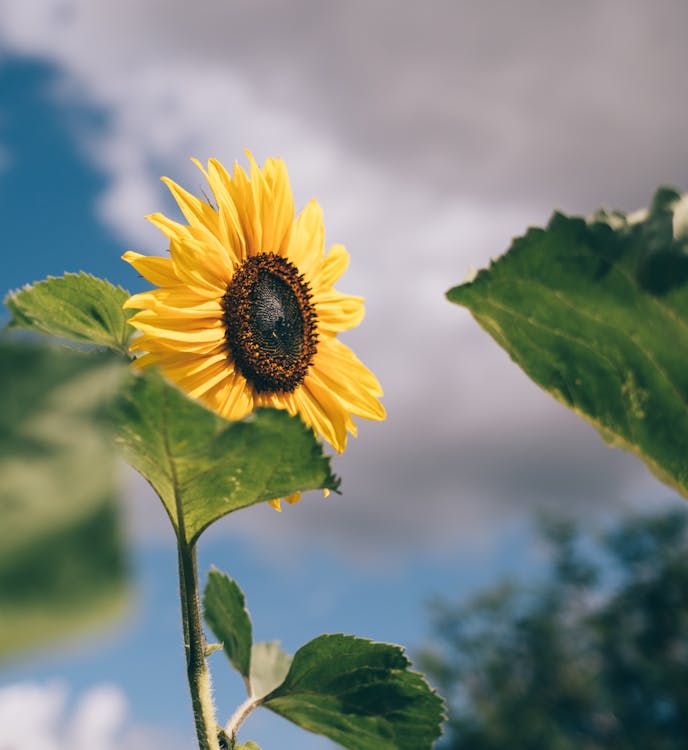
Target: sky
[(431, 134)]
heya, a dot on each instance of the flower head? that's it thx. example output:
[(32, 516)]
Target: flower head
[(245, 313)]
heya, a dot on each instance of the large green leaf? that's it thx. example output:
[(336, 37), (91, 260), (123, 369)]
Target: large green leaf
[(76, 306), (224, 609), (596, 312), (208, 466), (61, 556), (360, 694)]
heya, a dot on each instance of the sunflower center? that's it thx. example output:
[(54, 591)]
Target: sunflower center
[(270, 323)]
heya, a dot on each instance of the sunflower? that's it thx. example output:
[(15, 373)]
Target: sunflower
[(245, 314)]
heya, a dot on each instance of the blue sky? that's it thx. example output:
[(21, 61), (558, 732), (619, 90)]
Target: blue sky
[(47, 188), (430, 143)]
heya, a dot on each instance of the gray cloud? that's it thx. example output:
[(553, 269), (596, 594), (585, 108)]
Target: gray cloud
[(545, 102), (573, 104)]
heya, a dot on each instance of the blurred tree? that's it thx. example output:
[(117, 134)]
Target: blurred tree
[(593, 657)]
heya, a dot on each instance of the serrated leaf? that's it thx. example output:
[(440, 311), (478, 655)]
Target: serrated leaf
[(61, 552), (76, 306), (360, 694), (269, 666), (596, 313), (224, 609), (211, 466)]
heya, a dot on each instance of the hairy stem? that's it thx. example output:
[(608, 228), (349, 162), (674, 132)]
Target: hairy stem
[(239, 715), (194, 641), (197, 671)]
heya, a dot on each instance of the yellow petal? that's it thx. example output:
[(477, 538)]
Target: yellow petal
[(153, 343), (291, 499), (335, 263), (321, 411), (235, 399), (354, 398), (173, 230), (338, 312), (277, 213), (307, 243), (229, 223), (200, 267), (196, 211), (335, 357), (163, 329), (179, 299), (262, 201), (177, 364), (196, 384), (241, 193), (159, 271)]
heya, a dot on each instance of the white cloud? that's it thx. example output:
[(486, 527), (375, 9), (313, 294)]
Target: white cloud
[(39, 716), (97, 718), (29, 715), (431, 135)]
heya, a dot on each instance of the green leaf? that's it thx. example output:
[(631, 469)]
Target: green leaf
[(224, 609), (61, 554), (360, 694), (269, 666), (76, 306), (250, 745), (596, 312), (210, 466)]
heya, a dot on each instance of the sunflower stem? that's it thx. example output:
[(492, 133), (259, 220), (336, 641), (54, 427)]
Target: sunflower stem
[(197, 670)]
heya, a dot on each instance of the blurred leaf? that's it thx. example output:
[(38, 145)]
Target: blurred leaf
[(208, 465), (224, 609), (76, 306), (250, 745), (269, 666), (359, 694), (597, 314), (61, 558)]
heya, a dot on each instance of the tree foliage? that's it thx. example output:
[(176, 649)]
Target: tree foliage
[(594, 656)]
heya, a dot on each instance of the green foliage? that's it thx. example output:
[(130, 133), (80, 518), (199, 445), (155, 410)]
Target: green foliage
[(596, 312), (208, 466), (61, 557), (358, 693), (594, 656), (76, 306), (224, 609)]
